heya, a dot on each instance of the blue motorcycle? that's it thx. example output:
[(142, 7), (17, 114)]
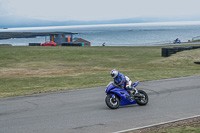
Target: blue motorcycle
[(117, 96), (177, 41)]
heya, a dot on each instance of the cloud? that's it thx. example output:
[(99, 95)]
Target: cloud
[(3, 8)]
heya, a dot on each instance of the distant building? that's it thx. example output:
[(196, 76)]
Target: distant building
[(66, 39), (62, 37), (80, 40)]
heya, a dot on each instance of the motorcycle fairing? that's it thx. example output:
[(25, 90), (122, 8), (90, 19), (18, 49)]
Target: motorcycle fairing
[(109, 87), (122, 93), (136, 83)]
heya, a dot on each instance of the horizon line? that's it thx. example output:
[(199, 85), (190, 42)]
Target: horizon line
[(102, 25)]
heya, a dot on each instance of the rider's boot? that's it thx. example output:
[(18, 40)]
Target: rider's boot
[(131, 94)]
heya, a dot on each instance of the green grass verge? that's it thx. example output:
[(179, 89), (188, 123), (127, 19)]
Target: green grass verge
[(32, 70), (181, 129)]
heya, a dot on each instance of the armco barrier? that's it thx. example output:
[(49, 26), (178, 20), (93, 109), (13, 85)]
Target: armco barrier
[(166, 52)]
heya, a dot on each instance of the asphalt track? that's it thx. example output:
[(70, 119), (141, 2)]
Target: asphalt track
[(85, 111)]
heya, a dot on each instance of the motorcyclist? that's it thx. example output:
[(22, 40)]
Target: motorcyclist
[(177, 41), (123, 81)]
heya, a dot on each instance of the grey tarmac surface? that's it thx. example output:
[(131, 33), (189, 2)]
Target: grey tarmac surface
[(85, 111)]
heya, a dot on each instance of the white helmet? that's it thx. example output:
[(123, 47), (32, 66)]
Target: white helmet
[(114, 73)]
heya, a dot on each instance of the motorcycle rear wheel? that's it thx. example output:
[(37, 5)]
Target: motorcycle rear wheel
[(111, 102), (143, 100)]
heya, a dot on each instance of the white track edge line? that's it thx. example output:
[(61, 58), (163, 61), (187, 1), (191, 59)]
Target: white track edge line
[(162, 123)]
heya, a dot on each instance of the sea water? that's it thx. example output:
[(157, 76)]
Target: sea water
[(135, 34)]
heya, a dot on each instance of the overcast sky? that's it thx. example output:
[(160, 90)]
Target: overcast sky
[(98, 9)]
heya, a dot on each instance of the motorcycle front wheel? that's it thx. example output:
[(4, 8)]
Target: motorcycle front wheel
[(142, 99), (111, 102)]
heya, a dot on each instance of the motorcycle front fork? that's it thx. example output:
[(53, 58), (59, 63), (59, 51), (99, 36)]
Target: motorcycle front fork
[(135, 91)]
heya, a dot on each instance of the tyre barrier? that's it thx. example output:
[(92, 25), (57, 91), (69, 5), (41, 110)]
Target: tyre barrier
[(71, 44), (34, 44), (197, 62), (166, 52)]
